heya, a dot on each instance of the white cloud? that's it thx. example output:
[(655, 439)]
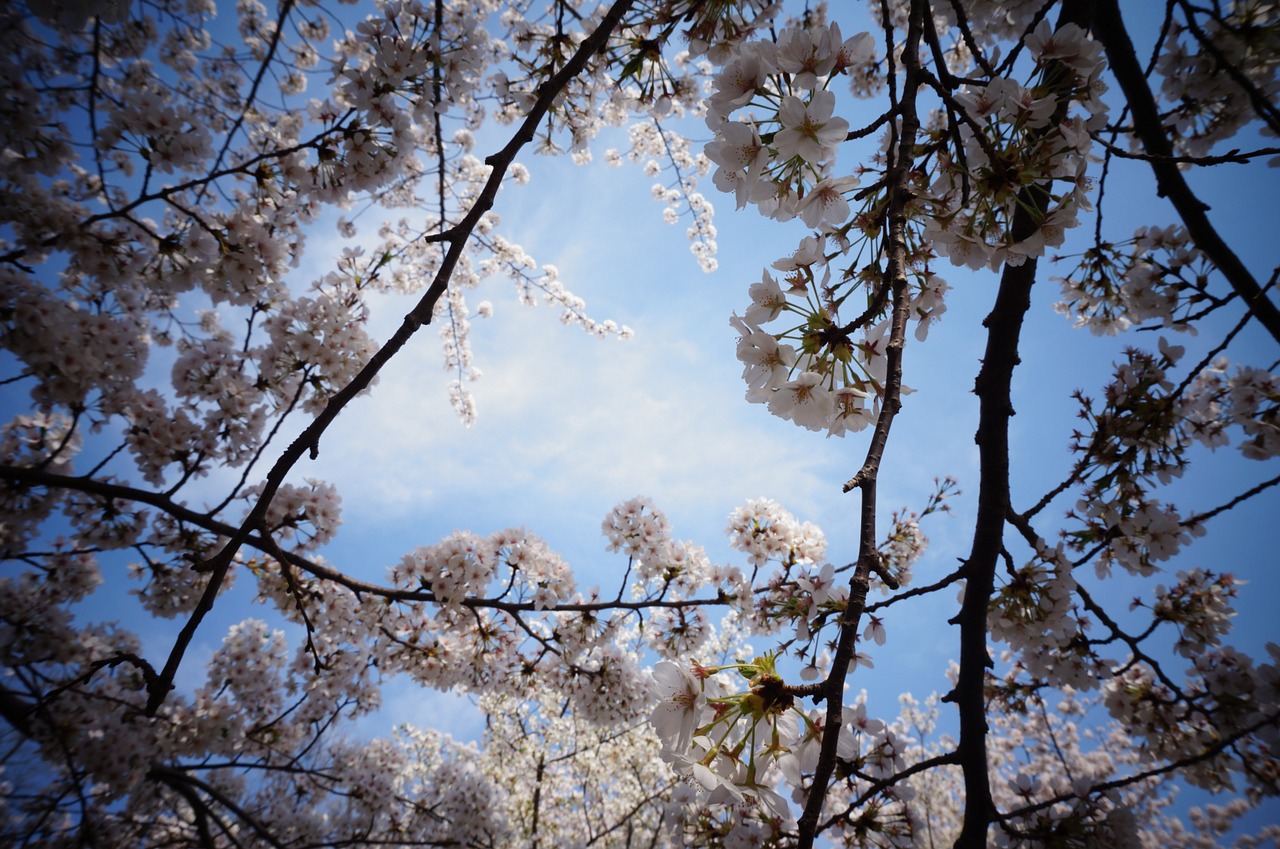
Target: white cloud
[(569, 425), (568, 419)]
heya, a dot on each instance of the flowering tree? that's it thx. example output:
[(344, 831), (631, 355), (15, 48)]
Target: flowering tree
[(165, 171)]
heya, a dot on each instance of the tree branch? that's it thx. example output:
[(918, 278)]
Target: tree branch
[(993, 387), (899, 192), (1147, 127)]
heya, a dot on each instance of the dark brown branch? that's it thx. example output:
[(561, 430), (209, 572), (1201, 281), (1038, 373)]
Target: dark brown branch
[(899, 194), (184, 782), (916, 591), (1084, 463), (1232, 157), (16, 710), (182, 513), (1138, 655), (148, 675), (863, 132), (273, 46), (996, 408), (966, 33), (1222, 508), (1170, 183), (163, 194), (993, 384), (944, 759)]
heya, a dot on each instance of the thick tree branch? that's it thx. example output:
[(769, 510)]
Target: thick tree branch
[(1149, 130), (992, 386)]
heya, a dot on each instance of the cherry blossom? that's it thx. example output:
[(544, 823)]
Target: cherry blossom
[(808, 129)]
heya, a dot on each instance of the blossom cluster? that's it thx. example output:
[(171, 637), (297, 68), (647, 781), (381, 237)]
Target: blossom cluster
[(1217, 401), (1209, 106), (1225, 697), (735, 747), (664, 151), (1156, 276), (1028, 136), (826, 384), (780, 156)]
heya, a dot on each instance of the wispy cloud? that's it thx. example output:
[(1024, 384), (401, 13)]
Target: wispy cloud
[(565, 422)]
